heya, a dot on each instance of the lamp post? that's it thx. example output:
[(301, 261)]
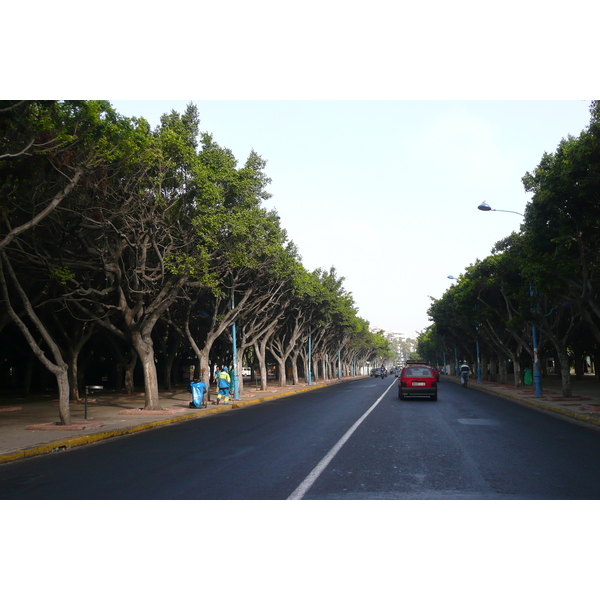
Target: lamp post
[(478, 356), (537, 375), (356, 309), (456, 359), (236, 386), (455, 349), (309, 357)]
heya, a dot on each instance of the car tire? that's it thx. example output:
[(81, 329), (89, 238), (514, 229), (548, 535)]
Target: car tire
[(434, 398), (400, 396)]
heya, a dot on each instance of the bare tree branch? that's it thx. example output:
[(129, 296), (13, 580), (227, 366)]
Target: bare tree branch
[(41, 215)]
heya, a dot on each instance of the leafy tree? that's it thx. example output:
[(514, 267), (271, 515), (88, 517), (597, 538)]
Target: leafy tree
[(53, 154), (562, 222)]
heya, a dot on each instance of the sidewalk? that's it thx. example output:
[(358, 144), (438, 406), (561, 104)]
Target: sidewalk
[(583, 406), (29, 427)]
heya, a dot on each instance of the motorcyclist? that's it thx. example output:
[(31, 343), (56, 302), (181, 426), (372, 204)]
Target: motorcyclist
[(464, 374)]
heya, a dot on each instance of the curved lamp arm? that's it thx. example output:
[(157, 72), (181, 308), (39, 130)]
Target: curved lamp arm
[(486, 207)]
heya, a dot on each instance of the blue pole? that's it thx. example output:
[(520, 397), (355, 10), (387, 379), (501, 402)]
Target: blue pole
[(309, 359), (537, 376), (456, 360), (478, 362), (236, 382)]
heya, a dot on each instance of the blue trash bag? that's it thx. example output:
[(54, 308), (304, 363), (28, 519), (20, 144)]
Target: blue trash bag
[(198, 389)]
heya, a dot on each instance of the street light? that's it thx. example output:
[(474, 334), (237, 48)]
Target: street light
[(455, 350), (537, 375), (236, 379), (485, 207), (309, 378)]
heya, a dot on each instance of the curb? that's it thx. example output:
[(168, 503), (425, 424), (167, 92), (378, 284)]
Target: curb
[(65, 444), (536, 405)]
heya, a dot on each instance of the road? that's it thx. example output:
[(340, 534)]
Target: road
[(354, 440)]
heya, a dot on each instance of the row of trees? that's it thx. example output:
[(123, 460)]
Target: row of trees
[(542, 281), (133, 245)]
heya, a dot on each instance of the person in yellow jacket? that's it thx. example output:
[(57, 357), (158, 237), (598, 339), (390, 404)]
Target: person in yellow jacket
[(223, 385)]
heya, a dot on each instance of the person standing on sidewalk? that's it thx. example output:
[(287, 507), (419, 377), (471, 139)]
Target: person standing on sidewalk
[(223, 385)]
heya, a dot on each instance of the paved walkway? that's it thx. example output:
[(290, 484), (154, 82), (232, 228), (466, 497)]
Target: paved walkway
[(29, 428), (582, 406)]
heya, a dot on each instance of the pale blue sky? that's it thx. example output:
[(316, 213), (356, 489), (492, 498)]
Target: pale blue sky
[(387, 191)]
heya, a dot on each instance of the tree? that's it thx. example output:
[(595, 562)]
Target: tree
[(562, 223), (53, 153)]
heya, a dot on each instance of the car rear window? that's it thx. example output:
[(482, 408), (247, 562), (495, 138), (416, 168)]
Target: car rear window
[(418, 372)]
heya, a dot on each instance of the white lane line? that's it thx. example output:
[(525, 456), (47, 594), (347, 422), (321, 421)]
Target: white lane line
[(301, 490)]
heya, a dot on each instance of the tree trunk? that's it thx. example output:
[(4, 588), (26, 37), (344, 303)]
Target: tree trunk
[(73, 376), (502, 370), (64, 410), (262, 364), (168, 371), (517, 376), (237, 373), (295, 378), (492, 369), (484, 368), (145, 351), (129, 371), (281, 371), (59, 369), (565, 374)]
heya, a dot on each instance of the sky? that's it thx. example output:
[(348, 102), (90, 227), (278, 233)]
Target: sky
[(387, 191)]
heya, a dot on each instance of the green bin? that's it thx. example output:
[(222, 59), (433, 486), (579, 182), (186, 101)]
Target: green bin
[(528, 377)]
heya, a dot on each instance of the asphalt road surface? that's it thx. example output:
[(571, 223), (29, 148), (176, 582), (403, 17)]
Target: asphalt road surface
[(354, 440)]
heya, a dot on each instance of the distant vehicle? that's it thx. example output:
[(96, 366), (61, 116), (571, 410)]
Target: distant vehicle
[(376, 372), (417, 380), (246, 371)]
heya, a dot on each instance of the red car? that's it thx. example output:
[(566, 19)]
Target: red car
[(412, 363), (417, 380)]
